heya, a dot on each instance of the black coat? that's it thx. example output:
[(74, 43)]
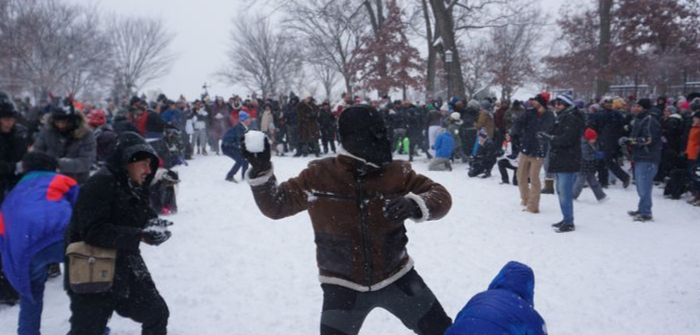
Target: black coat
[(526, 128), (13, 146), (610, 125), (565, 145), (109, 213)]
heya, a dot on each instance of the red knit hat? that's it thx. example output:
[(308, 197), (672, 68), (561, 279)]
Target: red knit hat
[(590, 134)]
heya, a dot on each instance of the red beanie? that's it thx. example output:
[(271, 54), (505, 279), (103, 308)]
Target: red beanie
[(590, 134)]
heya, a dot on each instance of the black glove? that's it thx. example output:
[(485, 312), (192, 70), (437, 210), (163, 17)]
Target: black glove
[(543, 136), (158, 222), (155, 236), (260, 161), (402, 208)]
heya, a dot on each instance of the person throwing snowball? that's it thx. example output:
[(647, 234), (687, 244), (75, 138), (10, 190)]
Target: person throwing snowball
[(358, 202)]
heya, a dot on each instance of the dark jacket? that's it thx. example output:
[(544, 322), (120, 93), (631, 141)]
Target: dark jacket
[(565, 145), (506, 308), (75, 150), (526, 128), (327, 121), (610, 126), (307, 117), (356, 245), (646, 133), (232, 139), (13, 146), (110, 213)]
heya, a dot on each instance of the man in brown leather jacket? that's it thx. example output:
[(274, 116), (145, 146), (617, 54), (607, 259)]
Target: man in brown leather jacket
[(358, 202)]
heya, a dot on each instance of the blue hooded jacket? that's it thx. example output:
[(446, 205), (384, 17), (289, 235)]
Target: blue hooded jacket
[(33, 216), (444, 145), (506, 308)]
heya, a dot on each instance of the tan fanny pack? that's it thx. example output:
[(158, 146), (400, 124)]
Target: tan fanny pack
[(91, 269)]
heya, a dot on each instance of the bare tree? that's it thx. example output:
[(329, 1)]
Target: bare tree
[(476, 69), (259, 57), (330, 31), (140, 51), (327, 76), (51, 46), (512, 54)]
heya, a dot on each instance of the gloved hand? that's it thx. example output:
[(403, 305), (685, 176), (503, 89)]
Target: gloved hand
[(155, 235), (158, 222), (260, 161), (623, 141), (401, 208), (543, 136)]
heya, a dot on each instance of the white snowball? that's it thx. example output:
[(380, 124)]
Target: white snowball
[(255, 141)]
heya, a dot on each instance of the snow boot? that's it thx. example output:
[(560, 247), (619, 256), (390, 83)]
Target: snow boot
[(643, 218), (548, 186), (558, 224), (565, 228)]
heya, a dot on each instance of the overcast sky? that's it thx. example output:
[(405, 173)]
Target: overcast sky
[(201, 29)]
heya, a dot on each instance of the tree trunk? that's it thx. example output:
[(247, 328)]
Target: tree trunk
[(432, 57), (603, 55), (445, 24)]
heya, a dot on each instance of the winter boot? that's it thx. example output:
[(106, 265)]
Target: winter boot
[(643, 218), (558, 224), (548, 186), (565, 228)]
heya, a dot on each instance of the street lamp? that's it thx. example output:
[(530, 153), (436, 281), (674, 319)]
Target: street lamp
[(448, 61)]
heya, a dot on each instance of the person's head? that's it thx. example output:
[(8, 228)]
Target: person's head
[(640, 106), (607, 103), (669, 110), (136, 102), (590, 135), (138, 168), (197, 104), (96, 118), (696, 119), (245, 118), (38, 161), (562, 102), (539, 102), (363, 134), (483, 135), (7, 117)]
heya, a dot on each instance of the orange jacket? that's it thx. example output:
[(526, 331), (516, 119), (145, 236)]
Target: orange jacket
[(693, 143)]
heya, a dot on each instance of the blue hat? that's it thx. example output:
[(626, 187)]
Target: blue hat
[(483, 133), (243, 116)]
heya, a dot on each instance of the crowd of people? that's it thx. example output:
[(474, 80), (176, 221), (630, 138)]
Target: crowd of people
[(130, 147)]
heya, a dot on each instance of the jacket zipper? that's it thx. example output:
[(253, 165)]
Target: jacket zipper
[(366, 249)]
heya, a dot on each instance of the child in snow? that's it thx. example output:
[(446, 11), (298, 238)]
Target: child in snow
[(33, 219), (358, 202), (485, 156), (506, 308), (444, 145), (590, 155)]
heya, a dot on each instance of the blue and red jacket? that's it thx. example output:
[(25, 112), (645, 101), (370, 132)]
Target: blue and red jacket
[(33, 216)]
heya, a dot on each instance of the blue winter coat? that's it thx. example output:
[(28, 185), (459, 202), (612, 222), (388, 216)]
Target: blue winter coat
[(506, 308), (232, 139), (646, 129), (444, 145), (33, 216)]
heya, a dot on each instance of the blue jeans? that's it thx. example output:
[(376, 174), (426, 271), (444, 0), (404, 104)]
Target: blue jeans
[(240, 163), (644, 173), (565, 189), (30, 312)]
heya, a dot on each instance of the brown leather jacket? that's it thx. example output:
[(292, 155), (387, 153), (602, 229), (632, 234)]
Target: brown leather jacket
[(356, 246)]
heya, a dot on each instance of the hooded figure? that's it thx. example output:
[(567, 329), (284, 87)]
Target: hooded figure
[(68, 138), (358, 202), (507, 307), (113, 211)]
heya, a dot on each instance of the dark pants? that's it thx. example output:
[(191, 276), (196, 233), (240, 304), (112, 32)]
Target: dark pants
[(327, 137), (610, 163), (240, 163), (409, 299), (503, 166), (90, 312)]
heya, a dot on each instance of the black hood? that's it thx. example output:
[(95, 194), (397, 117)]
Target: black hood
[(363, 134), (125, 146)]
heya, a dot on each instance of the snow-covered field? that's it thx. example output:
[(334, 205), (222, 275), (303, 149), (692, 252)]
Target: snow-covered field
[(230, 270)]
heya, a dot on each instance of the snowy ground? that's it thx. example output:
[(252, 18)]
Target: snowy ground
[(229, 270)]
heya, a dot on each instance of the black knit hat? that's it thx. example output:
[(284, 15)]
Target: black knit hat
[(362, 133), (38, 161), (7, 108), (645, 103)]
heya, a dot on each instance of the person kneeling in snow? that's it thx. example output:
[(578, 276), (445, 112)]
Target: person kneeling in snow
[(485, 157), (358, 202), (506, 308), (444, 145), (33, 219)]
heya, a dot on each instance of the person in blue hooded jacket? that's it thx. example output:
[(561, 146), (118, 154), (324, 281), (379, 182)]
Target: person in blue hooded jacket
[(506, 308), (33, 219)]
